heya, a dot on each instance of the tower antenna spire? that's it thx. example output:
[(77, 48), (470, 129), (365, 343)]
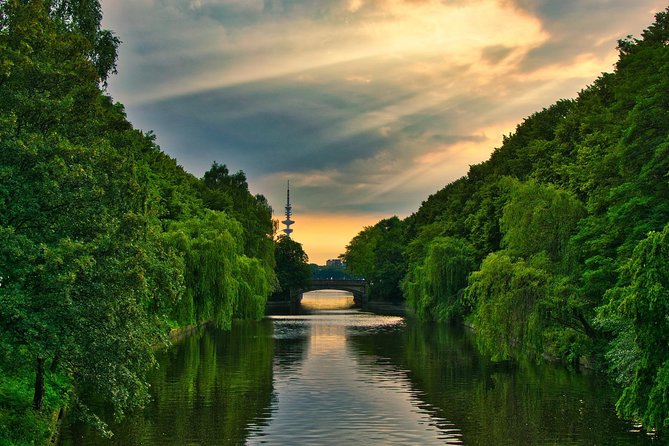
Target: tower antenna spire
[(289, 213)]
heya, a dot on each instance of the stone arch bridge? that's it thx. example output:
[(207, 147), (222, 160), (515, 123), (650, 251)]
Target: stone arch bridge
[(356, 287)]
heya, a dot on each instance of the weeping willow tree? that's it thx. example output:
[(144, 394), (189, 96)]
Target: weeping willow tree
[(507, 296), (210, 247), (220, 281), (539, 218), (256, 283), (434, 287)]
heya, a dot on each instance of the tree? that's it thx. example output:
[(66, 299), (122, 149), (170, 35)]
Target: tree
[(78, 268), (641, 304), (506, 296), (104, 239), (292, 267), (539, 218), (377, 254), (434, 288), (210, 245), (230, 193)]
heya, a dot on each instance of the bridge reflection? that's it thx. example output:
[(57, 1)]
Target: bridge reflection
[(327, 300), (358, 288)]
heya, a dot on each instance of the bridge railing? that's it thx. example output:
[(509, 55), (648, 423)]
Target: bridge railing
[(358, 282)]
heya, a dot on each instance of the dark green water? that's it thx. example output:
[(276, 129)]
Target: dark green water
[(345, 377)]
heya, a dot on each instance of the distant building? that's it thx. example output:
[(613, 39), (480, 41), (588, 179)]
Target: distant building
[(334, 263)]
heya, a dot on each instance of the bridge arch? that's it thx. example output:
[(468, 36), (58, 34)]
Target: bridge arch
[(356, 287)]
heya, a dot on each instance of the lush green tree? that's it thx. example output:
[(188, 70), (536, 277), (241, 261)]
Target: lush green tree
[(104, 239), (539, 218), (210, 246), (506, 296), (81, 276), (484, 212), (359, 256), (377, 254), (230, 193), (640, 305), (66, 227), (434, 288), (292, 267)]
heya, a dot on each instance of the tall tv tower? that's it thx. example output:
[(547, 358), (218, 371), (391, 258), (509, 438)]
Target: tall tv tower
[(289, 212)]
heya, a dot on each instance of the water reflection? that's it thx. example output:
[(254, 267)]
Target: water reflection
[(348, 377), (336, 396), (501, 404), (213, 388)]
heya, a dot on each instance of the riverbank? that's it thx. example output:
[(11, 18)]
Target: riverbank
[(180, 333), (387, 309), (175, 335)]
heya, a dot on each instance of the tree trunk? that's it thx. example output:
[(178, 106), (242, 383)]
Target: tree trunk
[(55, 362), (39, 384), (589, 331)]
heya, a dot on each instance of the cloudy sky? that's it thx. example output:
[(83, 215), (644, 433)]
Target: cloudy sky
[(367, 106)]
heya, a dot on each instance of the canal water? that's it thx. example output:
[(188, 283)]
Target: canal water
[(341, 376)]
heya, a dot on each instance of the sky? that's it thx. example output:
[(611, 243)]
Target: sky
[(366, 106)]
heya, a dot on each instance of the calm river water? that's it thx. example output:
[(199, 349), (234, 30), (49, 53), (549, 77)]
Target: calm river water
[(339, 377)]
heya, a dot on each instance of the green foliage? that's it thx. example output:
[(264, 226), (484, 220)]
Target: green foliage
[(230, 193), (210, 246), (641, 347), (506, 295), (377, 254), (292, 267), (434, 288), (256, 283), (538, 219)]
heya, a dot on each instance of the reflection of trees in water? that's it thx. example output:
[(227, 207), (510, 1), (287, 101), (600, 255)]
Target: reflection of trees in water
[(210, 389), (498, 403), (291, 342)]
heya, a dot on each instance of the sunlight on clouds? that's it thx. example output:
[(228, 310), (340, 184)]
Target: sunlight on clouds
[(316, 179), (587, 66), (354, 5), (359, 79), (437, 34), (366, 105), (451, 32), (444, 163), (464, 152)]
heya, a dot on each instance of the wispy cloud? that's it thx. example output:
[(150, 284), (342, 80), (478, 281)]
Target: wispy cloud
[(368, 106)]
